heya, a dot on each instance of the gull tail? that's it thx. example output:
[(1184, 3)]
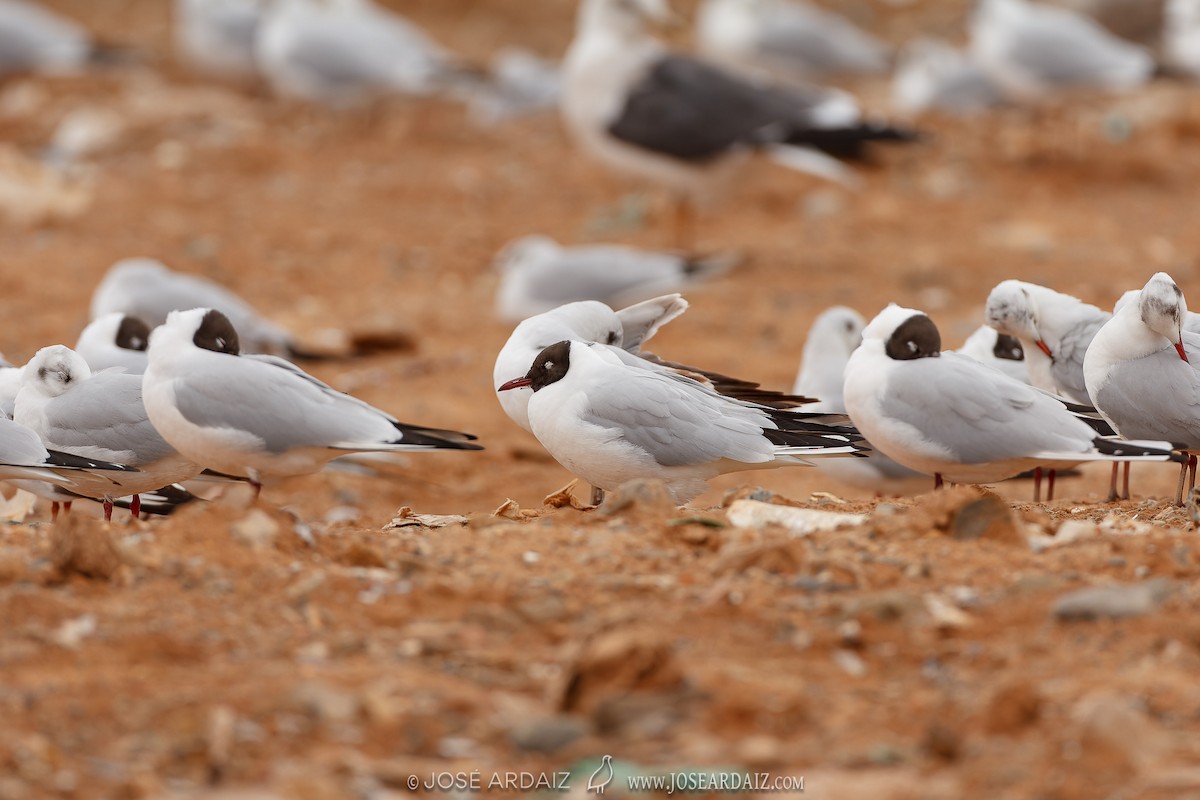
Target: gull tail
[(711, 266), (413, 437), (815, 163), (1113, 449), (60, 460)]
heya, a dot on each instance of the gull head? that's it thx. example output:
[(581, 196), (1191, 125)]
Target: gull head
[(903, 334), (1164, 310), (54, 370), (205, 328), (549, 367), (838, 330), (125, 331), (1011, 310)]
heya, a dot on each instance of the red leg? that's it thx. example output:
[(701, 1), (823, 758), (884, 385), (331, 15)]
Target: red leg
[(54, 511), (938, 483), (1050, 485), (1125, 485), (107, 510), (135, 506), (1037, 484)]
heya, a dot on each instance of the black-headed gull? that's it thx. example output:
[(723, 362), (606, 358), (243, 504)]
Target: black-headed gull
[(686, 124), (98, 415), (609, 422), (1034, 51), (947, 415), (786, 39), (115, 340), (998, 351), (833, 336), (623, 332), (343, 52), (258, 416), (149, 290), (1055, 330), (537, 274), (1141, 369)]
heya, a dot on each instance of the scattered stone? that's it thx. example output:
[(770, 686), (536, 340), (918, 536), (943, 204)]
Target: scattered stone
[(83, 546), (407, 518), (1116, 729), (987, 517), (799, 521), (71, 633), (328, 704), (1071, 531), (641, 494), (256, 530), (549, 735), (363, 554), (565, 498), (942, 741), (780, 558), (1118, 600), (946, 615), (1013, 708), (219, 736), (618, 663), (850, 663)]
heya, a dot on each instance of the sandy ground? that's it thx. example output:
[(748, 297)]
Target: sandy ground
[(299, 649)]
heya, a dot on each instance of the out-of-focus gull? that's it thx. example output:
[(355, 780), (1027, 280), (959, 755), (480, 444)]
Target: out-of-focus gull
[(834, 335), (934, 75), (101, 416), (1141, 369), (217, 36), (35, 39), (518, 83), (342, 52), (947, 415), (115, 340), (786, 39), (147, 289), (609, 422), (258, 416), (10, 384), (997, 350), (1034, 52), (1181, 37), (686, 124), (538, 275), (1055, 330)]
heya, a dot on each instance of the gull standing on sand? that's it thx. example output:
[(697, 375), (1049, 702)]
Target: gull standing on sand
[(687, 125), (947, 415), (835, 334), (258, 416), (1054, 329), (538, 275), (99, 416), (609, 422), (1034, 52), (1141, 370)]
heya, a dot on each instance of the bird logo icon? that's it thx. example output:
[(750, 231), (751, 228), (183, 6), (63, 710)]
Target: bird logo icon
[(602, 777)]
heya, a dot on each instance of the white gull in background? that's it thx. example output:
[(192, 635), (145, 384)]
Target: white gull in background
[(35, 39), (258, 416), (997, 350), (343, 52), (609, 422), (786, 39), (1181, 37), (688, 125), (934, 75), (1054, 329), (538, 275), (1034, 52), (147, 289), (623, 333), (947, 415), (518, 83), (98, 416), (115, 340), (834, 335), (217, 36), (1141, 369)]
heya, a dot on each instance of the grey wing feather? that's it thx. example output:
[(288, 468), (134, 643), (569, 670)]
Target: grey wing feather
[(1169, 411), (1067, 367), (1065, 54), (281, 405), (820, 41), (104, 417), (677, 424), (20, 445), (979, 414)]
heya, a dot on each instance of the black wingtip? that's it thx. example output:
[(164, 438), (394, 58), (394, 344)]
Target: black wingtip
[(436, 437), (57, 458), (1122, 448)]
